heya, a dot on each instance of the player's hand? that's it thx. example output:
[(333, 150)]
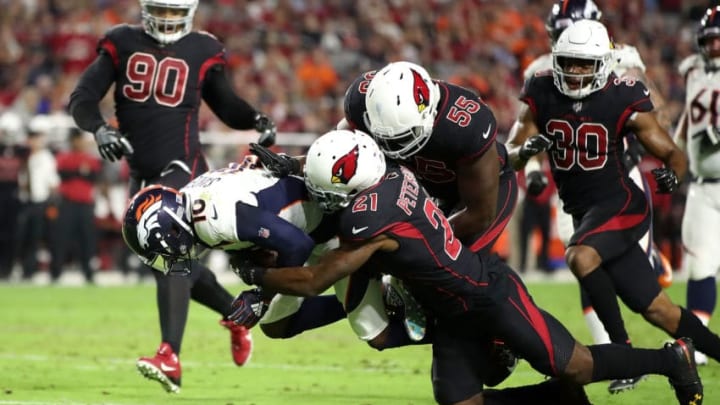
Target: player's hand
[(247, 269), (281, 165), (112, 145), (534, 145), (248, 308), (666, 179), (267, 129), (536, 181)]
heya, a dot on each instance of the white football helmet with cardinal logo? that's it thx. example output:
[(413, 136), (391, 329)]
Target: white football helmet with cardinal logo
[(401, 105), (339, 165), (168, 20)]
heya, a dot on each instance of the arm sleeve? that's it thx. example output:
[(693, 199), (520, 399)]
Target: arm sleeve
[(222, 100), (265, 229), (92, 86)]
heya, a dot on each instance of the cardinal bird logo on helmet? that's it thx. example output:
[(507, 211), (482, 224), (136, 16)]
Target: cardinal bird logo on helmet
[(345, 168), (421, 91)]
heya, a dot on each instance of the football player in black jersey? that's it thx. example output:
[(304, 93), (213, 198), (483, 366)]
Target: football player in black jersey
[(580, 112), (386, 214), (162, 70)]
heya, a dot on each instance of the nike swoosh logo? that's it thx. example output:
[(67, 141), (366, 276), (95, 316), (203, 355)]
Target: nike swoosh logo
[(214, 215), (646, 92), (487, 131), (356, 231), (166, 368)]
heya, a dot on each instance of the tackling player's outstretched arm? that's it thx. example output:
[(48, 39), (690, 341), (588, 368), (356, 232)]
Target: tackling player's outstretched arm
[(313, 280), (658, 142), (478, 184)]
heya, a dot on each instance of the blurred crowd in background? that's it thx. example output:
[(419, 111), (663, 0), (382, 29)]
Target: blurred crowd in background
[(292, 59)]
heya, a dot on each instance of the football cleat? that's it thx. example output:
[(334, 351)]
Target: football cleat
[(624, 384), (399, 300), (685, 379), (164, 368), (241, 344)]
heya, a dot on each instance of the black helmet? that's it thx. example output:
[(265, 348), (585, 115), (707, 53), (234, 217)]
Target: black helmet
[(566, 12), (709, 27)]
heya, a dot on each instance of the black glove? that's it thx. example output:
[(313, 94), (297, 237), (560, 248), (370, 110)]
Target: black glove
[(112, 144), (248, 308), (281, 165), (266, 127), (536, 181), (250, 272), (534, 145), (666, 179)]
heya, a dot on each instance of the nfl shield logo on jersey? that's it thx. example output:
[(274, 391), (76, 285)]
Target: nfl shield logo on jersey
[(264, 233), (577, 106)]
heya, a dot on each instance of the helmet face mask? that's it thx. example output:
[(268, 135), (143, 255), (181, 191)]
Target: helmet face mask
[(401, 106), (582, 59), (156, 228), (168, 20), (566, 12), (708, 37), (341, 164)]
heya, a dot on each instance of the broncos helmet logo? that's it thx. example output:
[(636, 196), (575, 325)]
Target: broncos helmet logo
[(345, 168), (147, 217), (421, 91)]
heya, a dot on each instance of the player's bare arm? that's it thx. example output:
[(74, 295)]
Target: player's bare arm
[(680, 135), (658, 142), (478, 183), (523, 128), (336, 264)]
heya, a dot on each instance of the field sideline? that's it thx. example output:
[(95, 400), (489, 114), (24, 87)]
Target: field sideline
[(78, 345)]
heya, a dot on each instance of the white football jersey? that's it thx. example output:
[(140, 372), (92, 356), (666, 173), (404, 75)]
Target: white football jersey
[(214, 196), (625, 56), (702, 105)]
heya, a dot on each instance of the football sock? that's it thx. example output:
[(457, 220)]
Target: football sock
[(601, 291), (703, 338), (614, 361), (597, 329), (314, 313), (207, 291), (173, 301), (550, 392), (701, 295)]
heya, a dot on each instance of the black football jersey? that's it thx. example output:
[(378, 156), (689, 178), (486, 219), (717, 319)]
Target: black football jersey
[(464, 129), (158, 92), (442, 274), (587, 154)]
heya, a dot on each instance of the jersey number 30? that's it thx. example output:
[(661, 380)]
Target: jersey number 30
[(586, 146)]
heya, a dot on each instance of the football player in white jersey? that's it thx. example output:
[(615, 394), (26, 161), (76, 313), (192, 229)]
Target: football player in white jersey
[(698, 132), (249, 213), (627, 63)]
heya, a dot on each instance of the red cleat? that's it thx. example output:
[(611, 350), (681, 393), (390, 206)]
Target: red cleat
[(241, 344), (164, 368)]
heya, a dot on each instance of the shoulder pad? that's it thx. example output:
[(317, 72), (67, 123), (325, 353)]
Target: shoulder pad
[(541, 63), (694, 61), (627, 57)]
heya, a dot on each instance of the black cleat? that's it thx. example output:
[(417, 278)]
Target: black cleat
[(624, 384), (685, 379)]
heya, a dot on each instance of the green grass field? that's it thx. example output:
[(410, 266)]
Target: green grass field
[(78, 345)]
